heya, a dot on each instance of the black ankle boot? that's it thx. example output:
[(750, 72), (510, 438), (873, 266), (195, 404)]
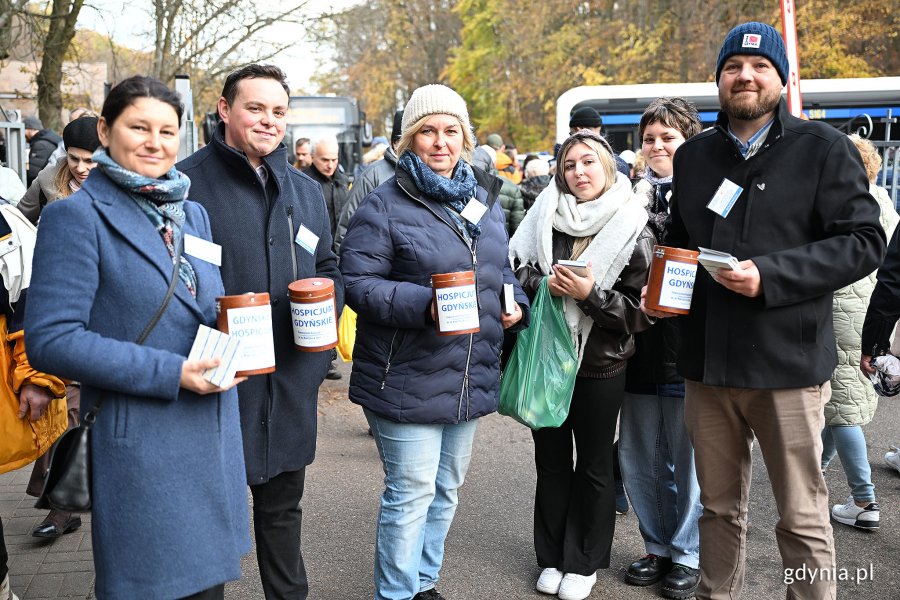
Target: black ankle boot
[(681, 582), (648, 570)]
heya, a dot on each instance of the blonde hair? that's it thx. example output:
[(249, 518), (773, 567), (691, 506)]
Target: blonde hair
[(63, 177), (595, 142), (406, 138), (870, 157)]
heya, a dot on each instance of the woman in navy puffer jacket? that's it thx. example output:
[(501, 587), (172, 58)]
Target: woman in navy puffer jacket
[(421, 392)]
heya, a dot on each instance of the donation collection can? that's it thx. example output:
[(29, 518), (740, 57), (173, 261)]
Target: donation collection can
[(456, 303), (248, 317), (313, 314), (671, 281)]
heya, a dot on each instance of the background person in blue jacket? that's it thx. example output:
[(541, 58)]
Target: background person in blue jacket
[(261, 209), (169, 506), (423, 393)]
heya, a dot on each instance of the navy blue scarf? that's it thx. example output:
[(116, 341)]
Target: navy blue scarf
[(453, 193), (162, 200)]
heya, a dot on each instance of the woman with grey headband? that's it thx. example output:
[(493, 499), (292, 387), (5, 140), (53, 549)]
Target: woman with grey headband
[(588, 212)]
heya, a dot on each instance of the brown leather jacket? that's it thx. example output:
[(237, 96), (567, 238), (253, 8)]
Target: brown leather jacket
[(616, 313)]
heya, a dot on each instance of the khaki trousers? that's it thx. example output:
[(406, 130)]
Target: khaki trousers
[(722, 423)]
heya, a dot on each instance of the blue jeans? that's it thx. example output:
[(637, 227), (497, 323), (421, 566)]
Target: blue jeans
[(850, 444), (424, 466), (657, 462)]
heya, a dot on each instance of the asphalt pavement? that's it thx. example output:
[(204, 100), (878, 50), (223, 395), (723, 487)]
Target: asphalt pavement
[(489, 553)]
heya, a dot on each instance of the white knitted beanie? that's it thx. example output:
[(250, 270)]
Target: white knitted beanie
[(435, 99)]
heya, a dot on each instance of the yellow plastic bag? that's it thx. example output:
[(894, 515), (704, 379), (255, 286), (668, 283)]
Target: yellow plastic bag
[(346, 334)]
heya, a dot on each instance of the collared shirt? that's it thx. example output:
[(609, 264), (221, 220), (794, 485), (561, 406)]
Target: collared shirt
[(755, 142)]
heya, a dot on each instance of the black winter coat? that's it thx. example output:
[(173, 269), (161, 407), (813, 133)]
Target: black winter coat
[(807, 221), (531, 188), (656, 348), (884, 304), (42, 145), (403, 370), (256, 228), (370, 178), (335, 189)]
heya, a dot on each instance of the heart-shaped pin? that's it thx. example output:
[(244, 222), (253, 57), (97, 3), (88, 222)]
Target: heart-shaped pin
[(761, 186)]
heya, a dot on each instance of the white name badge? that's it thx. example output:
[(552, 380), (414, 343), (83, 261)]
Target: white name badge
[(473, 211), (307, 239), (200, 248), (723, 200)]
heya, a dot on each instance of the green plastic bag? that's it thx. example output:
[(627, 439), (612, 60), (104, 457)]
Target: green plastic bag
[(536, 389)]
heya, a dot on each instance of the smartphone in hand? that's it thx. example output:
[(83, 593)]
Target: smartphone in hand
[(579, 267)]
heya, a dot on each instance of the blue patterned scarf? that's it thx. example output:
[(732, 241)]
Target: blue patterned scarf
[(453, 193), (162, 200)]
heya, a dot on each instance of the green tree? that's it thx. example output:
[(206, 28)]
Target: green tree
[(383, 50), (62, 17)]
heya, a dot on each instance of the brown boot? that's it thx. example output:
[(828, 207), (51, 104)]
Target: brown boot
[(56, 524)]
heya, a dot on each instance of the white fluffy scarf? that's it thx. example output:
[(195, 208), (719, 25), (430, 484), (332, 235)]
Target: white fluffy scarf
[(615, 219)]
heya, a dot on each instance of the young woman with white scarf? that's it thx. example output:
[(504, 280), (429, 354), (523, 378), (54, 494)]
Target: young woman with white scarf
[(588, 212)]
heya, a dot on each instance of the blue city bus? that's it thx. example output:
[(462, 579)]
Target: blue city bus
[(860, 105)]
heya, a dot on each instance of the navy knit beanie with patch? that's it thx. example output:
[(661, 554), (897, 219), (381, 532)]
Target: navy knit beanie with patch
[(758, 39)]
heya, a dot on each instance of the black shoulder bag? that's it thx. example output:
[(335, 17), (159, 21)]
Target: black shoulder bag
[(67, 486)]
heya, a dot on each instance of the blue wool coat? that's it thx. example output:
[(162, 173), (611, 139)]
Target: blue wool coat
[(402, 369), (257, 227), (170, 515)]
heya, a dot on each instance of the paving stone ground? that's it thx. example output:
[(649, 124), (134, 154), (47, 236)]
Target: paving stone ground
[(489, 555)]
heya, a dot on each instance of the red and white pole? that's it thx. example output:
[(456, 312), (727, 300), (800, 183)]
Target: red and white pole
[(789, 31)]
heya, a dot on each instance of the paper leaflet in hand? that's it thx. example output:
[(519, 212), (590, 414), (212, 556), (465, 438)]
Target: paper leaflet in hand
[(713, 260), (211, 343)]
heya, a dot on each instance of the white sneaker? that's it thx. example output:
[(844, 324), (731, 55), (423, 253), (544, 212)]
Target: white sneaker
[(549, 581), (892, 458), (867, 517), (5, 592), (576, 587)]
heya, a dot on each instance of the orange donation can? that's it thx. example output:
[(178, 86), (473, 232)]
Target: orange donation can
[(248, 317), (313, 314), (456, 303), (671, 281)]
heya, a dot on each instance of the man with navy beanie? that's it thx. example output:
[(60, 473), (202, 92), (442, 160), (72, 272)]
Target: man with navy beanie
[(788, 198)]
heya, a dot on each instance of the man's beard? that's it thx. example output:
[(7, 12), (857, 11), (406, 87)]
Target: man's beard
[(749, 109)]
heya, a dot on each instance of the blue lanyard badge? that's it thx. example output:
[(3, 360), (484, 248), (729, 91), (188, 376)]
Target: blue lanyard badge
[(724, 198)]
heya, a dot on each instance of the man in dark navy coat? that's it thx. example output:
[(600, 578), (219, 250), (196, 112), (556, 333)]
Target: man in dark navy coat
[(274, 228)]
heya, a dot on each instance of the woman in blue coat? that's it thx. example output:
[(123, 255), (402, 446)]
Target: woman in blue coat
[(423, 393), (170, 515)]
